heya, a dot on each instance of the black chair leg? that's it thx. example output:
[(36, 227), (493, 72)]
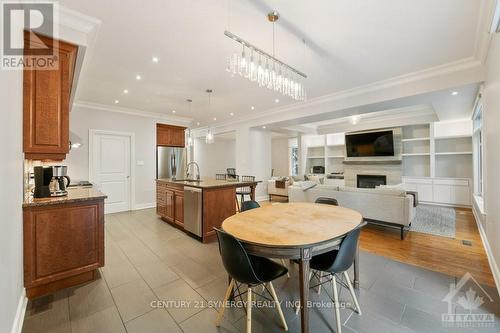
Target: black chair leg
[(242, 200), (402, 233)]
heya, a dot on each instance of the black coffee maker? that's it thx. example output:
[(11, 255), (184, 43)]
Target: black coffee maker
[(51, 181)]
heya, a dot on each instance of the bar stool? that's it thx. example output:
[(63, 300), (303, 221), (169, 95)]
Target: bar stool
[(242, 191), (220, 176)]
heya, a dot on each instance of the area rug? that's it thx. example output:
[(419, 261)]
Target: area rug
[(434, 220)]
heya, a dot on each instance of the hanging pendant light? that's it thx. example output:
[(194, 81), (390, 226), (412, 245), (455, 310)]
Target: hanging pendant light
[(209, 138), (189, 138), (265, 69)]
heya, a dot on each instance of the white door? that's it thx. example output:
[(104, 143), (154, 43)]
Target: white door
[(111, 169)]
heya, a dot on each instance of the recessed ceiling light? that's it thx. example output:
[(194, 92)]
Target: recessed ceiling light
[(264, 127), (125, 91), (231, 114), (252, 107), (354, 120), (155, 59), (455, 93), (276, 100), (215, 118), (117, 101), (138, 77), (173, 111), (198, 124)]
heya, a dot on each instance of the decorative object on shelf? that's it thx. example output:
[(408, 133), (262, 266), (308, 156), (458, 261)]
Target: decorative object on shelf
[(259, 66), (209, 138), (189, 138)]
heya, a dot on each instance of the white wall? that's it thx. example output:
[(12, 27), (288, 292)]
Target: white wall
[(83, 118), (279, 159), (214, 158), (11, 222), (491, 107)]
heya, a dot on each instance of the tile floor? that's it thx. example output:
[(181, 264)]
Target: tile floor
[(149, 262)]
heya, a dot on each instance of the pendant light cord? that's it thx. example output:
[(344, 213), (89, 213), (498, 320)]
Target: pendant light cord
[(274, 39)]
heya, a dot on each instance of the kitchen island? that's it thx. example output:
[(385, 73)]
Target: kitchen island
[(213, 201)]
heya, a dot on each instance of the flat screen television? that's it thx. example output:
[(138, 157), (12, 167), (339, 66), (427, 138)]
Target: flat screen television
[(370, 144)]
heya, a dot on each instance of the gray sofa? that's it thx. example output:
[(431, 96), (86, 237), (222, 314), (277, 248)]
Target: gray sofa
[(380, 205)]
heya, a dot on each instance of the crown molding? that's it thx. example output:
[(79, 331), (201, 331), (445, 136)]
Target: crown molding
[(419, 114), (184, 121)]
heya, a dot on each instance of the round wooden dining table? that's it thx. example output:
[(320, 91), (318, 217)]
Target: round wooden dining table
[(296, 230)]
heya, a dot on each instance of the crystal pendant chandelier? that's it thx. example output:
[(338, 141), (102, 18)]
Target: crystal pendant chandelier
[(209, 138), (189, 138), (266, 70)]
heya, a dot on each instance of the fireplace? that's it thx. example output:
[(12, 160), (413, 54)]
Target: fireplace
[(371, 181)]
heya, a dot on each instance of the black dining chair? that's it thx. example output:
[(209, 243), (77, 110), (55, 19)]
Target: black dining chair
[(335, 263), (324, 201), (250, 204), (245, 269), (242, 191), (327, 201)]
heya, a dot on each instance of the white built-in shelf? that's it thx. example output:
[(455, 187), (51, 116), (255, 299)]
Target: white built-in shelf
[(337, 145), (452, 137), (317, 146), (336, 156), (312, 157), (416, 139), (455, 153), (416, 154)]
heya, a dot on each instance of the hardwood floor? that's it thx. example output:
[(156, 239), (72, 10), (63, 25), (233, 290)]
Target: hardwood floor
[(439, 254)]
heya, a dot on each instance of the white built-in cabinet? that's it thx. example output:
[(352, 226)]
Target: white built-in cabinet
[(327, 151), (436, 159)]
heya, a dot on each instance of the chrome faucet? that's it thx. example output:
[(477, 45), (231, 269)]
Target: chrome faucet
[(197, 170)]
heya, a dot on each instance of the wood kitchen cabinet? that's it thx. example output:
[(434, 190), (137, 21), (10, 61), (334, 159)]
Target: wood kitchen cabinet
[(170, 135), (179, 209), (46, 98), (63, 244), (170, 203)]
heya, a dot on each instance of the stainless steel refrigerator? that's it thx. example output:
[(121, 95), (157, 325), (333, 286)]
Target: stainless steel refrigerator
[(171, 162)]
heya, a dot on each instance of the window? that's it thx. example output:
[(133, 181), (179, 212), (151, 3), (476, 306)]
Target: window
[(293, 154), (477, 139)]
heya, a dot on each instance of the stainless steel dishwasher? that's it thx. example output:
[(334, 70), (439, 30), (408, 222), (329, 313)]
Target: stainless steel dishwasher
[(193, 203)]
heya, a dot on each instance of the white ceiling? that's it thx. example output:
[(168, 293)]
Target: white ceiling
[(348, 44)]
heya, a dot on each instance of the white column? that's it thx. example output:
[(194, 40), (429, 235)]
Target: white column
[(253, 156)]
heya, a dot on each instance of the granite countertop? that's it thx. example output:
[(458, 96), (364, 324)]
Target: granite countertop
[(74, 195), (207, 183)]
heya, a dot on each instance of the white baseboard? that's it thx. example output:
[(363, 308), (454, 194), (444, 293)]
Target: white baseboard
[(443, 204), (145, 205), (489, 254), (17, 326)]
